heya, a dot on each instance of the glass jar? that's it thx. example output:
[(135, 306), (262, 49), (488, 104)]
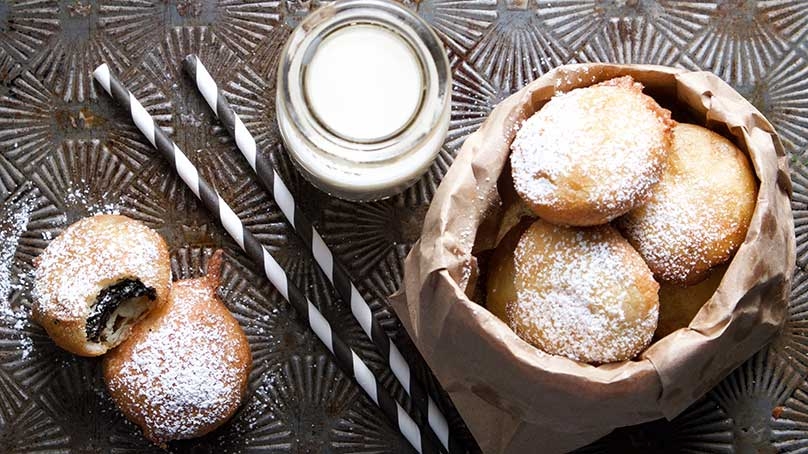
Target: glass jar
[(372, 136)]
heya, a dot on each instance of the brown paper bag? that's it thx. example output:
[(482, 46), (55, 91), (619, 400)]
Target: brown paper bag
[(516, 398)]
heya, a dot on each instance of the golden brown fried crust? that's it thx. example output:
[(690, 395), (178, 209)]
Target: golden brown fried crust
[(183, 371), (500, 288), (87, 257), (583, 293), (593, 154), (699, 213), (678, 305)]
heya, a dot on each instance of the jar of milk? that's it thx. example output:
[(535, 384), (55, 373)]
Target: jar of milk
[(363, 98)]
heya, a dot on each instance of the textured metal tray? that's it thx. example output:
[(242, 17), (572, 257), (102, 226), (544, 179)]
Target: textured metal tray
[(66, 152)]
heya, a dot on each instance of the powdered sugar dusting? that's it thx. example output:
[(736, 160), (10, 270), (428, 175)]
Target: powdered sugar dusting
[(602, 146), (698, 214), (17, 318), (12, 227), (73, 268), (83, 198), (578, 294), (674, 235), (184, 372)]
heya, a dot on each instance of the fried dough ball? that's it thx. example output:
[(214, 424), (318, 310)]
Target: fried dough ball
[(500, 286), (699, 212), (581, 293), (592, 154), (183, 371), (678, 305), (97, 279)]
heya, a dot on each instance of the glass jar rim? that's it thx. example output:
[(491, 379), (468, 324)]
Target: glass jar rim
[(291, 99)]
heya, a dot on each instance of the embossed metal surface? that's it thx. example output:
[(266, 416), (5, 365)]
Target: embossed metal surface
[(66, 152)]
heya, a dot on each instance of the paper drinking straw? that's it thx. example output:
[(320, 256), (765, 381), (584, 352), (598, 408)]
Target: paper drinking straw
[(424, 441), (333, 269)]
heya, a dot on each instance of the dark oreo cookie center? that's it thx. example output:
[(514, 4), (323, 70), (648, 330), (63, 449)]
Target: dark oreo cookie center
[(109, 299)]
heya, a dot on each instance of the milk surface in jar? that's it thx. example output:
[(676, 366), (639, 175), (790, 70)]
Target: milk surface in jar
[(364, 83), (363, 100)]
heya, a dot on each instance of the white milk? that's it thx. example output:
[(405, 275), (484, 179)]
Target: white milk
[(363, 98), (364, 83)]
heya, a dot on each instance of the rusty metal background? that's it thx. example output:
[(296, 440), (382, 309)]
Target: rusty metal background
[(66, 152)]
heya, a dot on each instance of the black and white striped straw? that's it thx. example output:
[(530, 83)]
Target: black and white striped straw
[(333, 268), (424, 441)]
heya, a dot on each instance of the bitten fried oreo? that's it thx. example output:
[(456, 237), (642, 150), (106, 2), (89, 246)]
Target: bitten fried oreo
[(699, 212), (183, 371), (581, 293), (97, 279), (592, 154)]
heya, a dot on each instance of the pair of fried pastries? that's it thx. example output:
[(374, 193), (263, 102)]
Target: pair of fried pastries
[(176, 361)]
